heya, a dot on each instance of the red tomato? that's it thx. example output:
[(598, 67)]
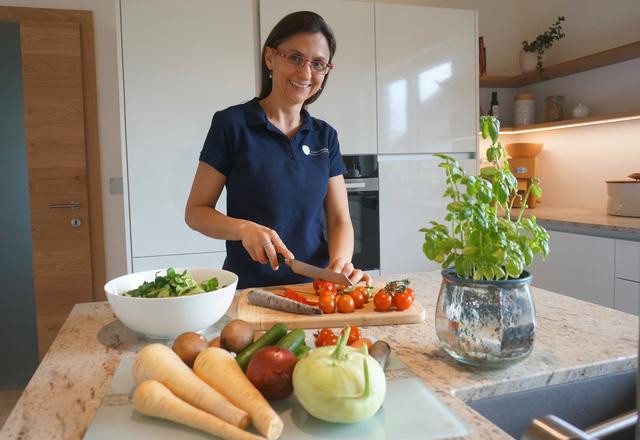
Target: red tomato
[(354, 335), (332, 340), (327, 304), (358, 298), (324, 336), (363, 341), (402, 300), (326, 288), (346, 304), (412, 294), (382, 301)]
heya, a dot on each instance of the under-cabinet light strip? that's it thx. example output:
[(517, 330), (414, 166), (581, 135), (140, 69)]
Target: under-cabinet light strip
[(570, 125)]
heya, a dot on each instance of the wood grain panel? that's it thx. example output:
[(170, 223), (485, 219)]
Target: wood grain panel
[(54, 116), (263, 318), (65, 138)]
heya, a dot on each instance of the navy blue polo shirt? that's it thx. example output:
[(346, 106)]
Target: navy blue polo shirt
[(275, 182)]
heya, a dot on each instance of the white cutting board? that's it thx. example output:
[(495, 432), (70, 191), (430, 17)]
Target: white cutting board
[(410, 411)]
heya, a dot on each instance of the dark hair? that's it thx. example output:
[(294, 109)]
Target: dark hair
[(302, 22)]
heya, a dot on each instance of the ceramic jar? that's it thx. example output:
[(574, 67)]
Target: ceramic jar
[(554, 108), (524, 110)]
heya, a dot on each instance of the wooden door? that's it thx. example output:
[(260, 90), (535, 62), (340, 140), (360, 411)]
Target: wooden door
[(54, 128), (58, 76)]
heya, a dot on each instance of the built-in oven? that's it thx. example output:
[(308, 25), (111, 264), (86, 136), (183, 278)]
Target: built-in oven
[(361, 180)]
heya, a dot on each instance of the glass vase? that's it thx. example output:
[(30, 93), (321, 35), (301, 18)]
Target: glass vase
[(485, 323)]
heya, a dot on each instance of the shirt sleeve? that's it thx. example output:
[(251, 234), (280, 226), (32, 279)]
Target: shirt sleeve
[(336, 165), (217, 150)]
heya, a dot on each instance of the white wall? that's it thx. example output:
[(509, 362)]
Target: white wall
[(104, 22), (575, 162), (590, 25)]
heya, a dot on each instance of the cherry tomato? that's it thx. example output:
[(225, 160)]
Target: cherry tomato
[(327, 288), (382, 301), (402, 300), (346, 304), (332, 340), (412, 294), (358, 298), (363, 341), (354, 335), (327, 304), (323, 336)]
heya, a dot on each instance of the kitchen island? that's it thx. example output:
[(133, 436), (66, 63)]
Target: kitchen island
[(575, 340)]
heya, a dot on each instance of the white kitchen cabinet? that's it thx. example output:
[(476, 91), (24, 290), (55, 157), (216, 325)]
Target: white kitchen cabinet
[(427, 79), (210, 259), (411, 188), (181, 62), (580, 266), (348, 101), (628, 260), (627, 296)]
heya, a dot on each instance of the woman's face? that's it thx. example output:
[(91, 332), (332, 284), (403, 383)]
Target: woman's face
[(295, 84)]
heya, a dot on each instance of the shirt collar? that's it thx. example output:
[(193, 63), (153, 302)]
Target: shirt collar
[(255, 116)]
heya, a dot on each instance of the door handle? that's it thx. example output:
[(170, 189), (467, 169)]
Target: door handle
[(72, 205)]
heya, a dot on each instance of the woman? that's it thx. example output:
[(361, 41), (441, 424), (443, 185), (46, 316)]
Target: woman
[(280, 167)]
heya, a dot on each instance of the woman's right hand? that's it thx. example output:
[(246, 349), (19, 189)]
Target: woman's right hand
[(263, 244)]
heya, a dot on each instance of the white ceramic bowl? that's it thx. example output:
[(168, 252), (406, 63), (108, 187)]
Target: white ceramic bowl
[(166, 318)]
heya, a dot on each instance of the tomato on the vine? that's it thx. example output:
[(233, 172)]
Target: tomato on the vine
[(354, 335), (412, 294), (346, 304), (363, 341), (358, 298), (327, 290), (402, 300), (382, 301), (325, 335), (327, 304)]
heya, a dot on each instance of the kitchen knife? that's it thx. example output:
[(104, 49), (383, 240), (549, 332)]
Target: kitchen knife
[(315, 272)]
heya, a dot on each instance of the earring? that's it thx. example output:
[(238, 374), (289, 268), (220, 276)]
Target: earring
[(270, 74)]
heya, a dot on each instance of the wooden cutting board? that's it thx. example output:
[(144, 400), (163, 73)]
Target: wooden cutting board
[(263, 318)]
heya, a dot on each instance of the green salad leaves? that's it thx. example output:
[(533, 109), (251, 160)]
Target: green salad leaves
[(173, 284)]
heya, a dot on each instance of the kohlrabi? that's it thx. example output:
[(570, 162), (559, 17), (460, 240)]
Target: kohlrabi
[(339, 384)]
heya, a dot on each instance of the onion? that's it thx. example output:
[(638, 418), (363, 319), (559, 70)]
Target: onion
[(270, 371)]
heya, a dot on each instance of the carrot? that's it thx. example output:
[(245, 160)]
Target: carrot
[(220, 370), (152, 398), (159, 362)]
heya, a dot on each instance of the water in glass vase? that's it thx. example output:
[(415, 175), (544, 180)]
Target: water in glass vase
[(487, 323)]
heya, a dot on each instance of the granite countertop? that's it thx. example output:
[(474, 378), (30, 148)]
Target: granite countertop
[(588, 221), (574, 340)]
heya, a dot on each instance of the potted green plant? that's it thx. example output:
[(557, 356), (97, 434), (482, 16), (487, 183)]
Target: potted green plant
[(532, 53), (485, 314)]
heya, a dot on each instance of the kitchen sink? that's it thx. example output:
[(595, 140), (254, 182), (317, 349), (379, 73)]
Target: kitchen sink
[(582, 403)]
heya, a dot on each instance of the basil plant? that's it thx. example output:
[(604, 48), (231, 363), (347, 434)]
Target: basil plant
[(485, 239)]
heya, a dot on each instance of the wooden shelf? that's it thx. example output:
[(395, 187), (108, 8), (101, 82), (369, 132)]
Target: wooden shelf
[(593, 61), (567, 123)]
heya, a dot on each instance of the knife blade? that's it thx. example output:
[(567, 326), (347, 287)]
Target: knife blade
[(315, 272)]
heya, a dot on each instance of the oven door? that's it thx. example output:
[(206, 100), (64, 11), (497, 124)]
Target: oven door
[(365, 216)]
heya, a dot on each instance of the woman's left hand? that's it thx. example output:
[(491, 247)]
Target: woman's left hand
[(341, 265)]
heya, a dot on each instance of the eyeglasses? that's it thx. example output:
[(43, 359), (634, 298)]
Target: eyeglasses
[(297, 60)]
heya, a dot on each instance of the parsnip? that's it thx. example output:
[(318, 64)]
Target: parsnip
[(159, 362), (220, 370), (151, 398)]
